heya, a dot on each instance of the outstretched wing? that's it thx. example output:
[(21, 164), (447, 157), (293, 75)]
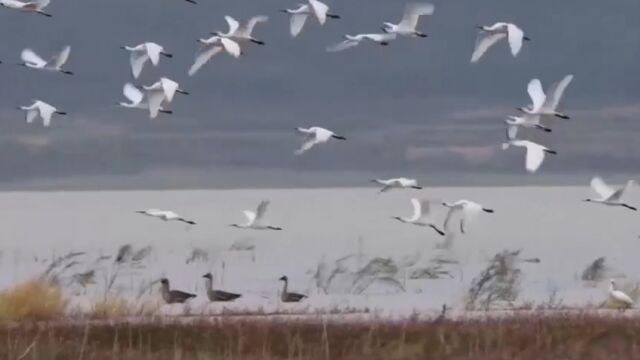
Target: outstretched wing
[(153, 51), (261, 210), (417, 210), (29, 56), (601, 188), (204, 55), (535, 156), (534, 88), (297, 22), (62, 57), (132, 93), (250, 215), (450, 215), (248, 29), (343, 45), (555, 92), (320, 10), (169, 87), (233, 25), (515, 36), (483, 43), (137, 60), (155, 99), (231, 47), (412, 13)]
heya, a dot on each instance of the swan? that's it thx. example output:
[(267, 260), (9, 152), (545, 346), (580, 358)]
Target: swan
[(421, 215), (618, 296), (355, 40), (535, 152), (32, 60), (608, 195), (409, 22), (490, 34), (212, 46), (299, 15), (287, 296), (138, 100), (255, 220), (165, 215), (527, 121), (546, 105), (466, 209), (314, 136), (35, 6), (142, 53), (397, 183), (161, 92), (239, 33), (42, 109)]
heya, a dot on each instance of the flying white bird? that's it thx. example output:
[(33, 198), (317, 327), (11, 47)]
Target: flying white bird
[(466, 209), (397, 183), (527, 121), (138, 99), (546, 105), (35, 6), (409, 22), (421, 215), (314, 136), (161, 92), (255, 220), (299, 15), (355, 40), (41, 109), (165, 215), (32, 60), (239, 33), (608, 195), (535, 152), (490, 35), (142, 53), (212, 46), (618, 296), (191, 1)]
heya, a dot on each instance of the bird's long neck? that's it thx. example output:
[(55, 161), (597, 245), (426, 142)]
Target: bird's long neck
[(208, 284), (285, 286), (164, 291), (612, 287)]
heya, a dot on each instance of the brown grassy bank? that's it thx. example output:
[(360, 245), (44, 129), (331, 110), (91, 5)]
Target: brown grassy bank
[(564, 336)]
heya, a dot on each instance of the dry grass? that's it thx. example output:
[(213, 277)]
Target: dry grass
[(36, 299), (524, 337)]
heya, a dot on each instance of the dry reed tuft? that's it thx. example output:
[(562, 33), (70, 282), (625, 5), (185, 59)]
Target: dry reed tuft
[(35, 299)]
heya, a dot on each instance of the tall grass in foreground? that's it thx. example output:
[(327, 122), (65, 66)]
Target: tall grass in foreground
[(533, 336), (35, 299)]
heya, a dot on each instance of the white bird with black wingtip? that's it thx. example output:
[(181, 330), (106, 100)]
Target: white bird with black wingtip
[(165, 215), (421, 215), (142, 53), (466, 209), (255, 219), (534, 152), (211, 47), (490, 34), (161, 93), (409, 22), (41, 109), (299, 15), (242, 34), (32, 60), (355, 40), (546, 104), (138, 99), (608, 195), (35, 6), (315, 136), (397, 183)]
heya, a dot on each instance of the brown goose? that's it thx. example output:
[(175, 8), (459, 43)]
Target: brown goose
[(287, 296), (217, 295), (173, 296)]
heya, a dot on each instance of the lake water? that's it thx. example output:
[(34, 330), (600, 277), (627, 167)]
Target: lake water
[(320, 226)]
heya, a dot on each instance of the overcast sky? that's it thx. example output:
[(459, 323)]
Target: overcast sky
[(414, 108)]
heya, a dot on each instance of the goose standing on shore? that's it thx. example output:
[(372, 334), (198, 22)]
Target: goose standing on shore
[(255, 220), (546, 104), (41, 109), (490, 34), (618, 297), (35, 6), (32, 60), (289, 297), (397, 183), (217, 295), (165, 215), (409, 22), (173, 296), (142, 53), (421, 215), (299, 15), (534, 152), (608, 195), (466, 209), (315, 135)]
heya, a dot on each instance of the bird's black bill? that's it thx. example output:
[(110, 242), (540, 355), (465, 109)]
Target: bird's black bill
[(259, 42), (61, 113), (490, 211), (333, 16), (339, 137), (166, 111)]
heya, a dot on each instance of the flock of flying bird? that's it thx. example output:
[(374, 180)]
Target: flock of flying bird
[(157, 97)]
